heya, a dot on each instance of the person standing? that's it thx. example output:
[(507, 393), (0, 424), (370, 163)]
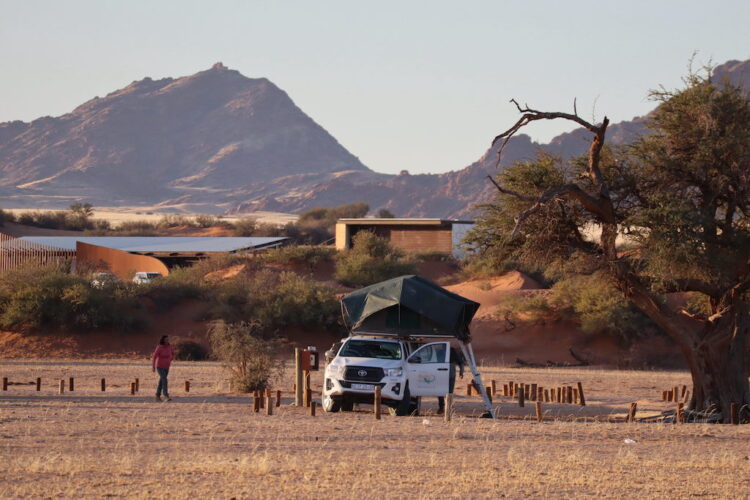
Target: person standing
[(456, 359), (160, 361)]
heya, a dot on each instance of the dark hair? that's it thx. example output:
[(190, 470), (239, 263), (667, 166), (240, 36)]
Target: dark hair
[(162, 339)]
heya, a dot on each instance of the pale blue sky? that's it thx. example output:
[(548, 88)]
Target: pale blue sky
[(417, 85)]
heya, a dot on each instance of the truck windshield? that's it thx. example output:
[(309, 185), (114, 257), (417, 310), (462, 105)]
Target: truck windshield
[(371, 349)]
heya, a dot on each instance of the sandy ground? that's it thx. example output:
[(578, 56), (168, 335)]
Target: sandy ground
[(209, 444)]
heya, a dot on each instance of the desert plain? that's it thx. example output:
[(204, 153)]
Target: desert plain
[(209, 443)]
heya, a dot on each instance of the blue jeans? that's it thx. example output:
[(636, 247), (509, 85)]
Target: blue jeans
[(162, 385)]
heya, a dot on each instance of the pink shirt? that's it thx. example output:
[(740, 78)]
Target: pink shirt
[(162, 356)]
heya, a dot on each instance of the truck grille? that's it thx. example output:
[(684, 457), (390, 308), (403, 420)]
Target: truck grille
[(363, 374)]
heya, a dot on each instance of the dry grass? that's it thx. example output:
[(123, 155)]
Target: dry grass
[(209, 444)]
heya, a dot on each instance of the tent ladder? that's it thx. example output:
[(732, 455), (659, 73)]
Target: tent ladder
[(469, 355)]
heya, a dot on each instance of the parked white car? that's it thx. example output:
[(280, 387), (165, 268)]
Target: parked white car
[(404, 371), (142, 278), (100, 280)]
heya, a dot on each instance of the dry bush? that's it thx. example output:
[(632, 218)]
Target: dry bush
[(250, 358)]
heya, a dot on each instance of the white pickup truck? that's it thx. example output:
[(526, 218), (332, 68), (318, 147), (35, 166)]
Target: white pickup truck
[(403, 370)]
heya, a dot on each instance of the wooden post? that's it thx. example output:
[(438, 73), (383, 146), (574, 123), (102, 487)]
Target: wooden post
[(679, 416), (684, 389), (581, 398), (261, 401), (505, 390), (5, 383), (559, 394), (256, 402), (569, 394), (540, 393), (448, 407), (663, 395), (734, 414), (278, 398), (493, 386), (103, 385), (575, 395), (676, 394), (137, 385), (132, 388), (70, 384), (526, 391), (269, 406), (62, 386), (187, 386), (521, 397), (298, 392), (38, 384), (533, 392), (313, 404), (539, 414), (468, 389), (308, 389), (511, 389), (546, 395), (376, 402), (687, 397), (631, 413), (489, 393)]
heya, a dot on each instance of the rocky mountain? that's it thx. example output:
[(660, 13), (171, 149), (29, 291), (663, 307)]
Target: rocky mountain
[(219, 142)]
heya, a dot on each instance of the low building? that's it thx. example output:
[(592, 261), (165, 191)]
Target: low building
[(411, 235), (124, 255)]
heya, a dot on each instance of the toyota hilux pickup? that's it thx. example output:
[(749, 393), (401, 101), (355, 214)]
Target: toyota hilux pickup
[(403, 370)]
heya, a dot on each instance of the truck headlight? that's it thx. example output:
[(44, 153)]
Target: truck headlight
[(393, 372), (337, 371)]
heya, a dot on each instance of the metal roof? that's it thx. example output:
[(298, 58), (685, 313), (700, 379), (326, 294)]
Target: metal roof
[(173, 244), (395, 221)]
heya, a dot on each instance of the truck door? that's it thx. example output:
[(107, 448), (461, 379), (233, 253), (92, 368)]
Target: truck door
[(428, 369)]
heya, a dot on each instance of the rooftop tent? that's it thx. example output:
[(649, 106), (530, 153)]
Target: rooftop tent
[(409, 305)]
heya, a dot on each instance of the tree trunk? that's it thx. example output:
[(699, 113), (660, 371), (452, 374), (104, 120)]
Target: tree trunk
[(719, 366)]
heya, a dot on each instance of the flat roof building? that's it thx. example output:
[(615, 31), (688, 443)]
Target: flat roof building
[(411, 235)]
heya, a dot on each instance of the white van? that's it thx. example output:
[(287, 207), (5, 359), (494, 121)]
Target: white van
[(142, 278)]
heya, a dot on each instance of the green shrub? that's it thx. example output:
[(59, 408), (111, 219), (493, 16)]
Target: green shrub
[(173, 220), (276, 300), (245, 227), (249, 357), (371, 259), (205, 220), (136, 228), (50, 296), (304, 256), (189, 350)]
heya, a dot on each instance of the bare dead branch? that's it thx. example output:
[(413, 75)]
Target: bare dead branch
[(510, 192)]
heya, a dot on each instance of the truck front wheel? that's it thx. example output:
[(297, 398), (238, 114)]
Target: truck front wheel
[(331, 404), (405, 406)]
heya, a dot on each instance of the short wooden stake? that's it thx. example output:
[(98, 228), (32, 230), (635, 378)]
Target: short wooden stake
[(546, 395), (676, 396), (269, 406), (569, 395), (540, 393), (558, 397), (539, 414), (38, 384), (631, 413), (299, 394), (261, 400), (521, 397), (306, 389), (62, 386), (526, 391), (734, 414), (376, 402), (5, 383), (256, 402), (132, 388), (468, 389), (687, 397), (489, 393), (581, 398), (493, 386), (663, 395), (679, 416), (575, 395), (511, 389), (313, 404), (103, 385), (70, 384), (505, 390), (137, 385), (533, 392), (684, 389), (278, 399), (187, 386), (449, 407)]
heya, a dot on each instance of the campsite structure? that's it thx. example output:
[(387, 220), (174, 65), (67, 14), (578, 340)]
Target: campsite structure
[(413, 314)]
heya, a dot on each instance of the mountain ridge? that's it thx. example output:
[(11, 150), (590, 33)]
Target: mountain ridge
[(219, 142)]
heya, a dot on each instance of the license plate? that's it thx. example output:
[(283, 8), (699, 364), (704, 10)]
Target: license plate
[(363, 387)]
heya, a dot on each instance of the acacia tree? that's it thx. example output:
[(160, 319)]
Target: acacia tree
[(681, 195)]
